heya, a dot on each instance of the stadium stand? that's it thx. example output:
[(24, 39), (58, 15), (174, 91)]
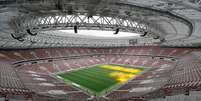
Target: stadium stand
[(32, 72)]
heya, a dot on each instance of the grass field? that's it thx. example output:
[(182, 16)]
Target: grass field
[(100, 79)]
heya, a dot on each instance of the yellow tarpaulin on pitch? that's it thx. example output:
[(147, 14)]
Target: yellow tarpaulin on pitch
[(122, 74)]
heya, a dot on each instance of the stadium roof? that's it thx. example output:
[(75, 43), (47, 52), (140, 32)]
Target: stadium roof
[(25, 23)]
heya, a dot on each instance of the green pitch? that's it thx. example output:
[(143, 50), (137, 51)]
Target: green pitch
[(99, 79)]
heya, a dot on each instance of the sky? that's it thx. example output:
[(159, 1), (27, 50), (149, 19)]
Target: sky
[(100, 33)]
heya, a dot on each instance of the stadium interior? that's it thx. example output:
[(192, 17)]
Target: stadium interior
[(100, 50)]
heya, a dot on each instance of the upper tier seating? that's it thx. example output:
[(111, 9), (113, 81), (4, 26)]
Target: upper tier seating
[(21, 55)]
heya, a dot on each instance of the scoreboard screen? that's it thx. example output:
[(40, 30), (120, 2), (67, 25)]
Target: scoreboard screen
[(132, 41)]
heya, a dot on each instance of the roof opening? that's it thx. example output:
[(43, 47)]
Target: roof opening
[(101, 33)]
